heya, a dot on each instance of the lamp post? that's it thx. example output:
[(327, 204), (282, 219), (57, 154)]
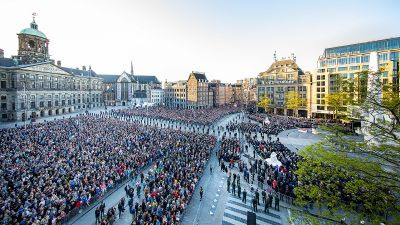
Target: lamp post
[(25, 104)]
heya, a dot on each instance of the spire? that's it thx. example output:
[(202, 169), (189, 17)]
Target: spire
[(131, 68), (33, 24)]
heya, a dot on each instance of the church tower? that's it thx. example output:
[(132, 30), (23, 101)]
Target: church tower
[(33, 45)]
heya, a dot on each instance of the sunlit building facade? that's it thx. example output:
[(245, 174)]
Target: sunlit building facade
[(346, 62)]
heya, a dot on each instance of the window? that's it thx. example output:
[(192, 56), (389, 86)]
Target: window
[(3, 84), (340, 69), (4, 116), (364, 58), (4, 106), (383, 57), (385, 74), (394, 56), (331, 70), (345, 75), (33, 105), (352, 75), (41, 104), (3, 97), (354, 67), (365, 67), (320, 107)]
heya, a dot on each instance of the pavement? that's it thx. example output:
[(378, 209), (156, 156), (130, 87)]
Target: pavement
[(218, 206)]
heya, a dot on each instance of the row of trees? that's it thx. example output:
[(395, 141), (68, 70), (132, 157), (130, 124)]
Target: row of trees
[(352, 177), (293, 101)]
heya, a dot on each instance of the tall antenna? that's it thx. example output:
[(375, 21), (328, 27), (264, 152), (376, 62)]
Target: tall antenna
[(275, 56)]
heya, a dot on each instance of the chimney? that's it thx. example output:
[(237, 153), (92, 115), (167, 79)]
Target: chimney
[(58, 62), (84, 68), (1, 53)]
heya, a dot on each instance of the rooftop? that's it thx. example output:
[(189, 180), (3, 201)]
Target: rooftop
[(33, 30), (364, 47)]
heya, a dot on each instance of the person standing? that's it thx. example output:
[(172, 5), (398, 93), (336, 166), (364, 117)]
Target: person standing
[(229, 183), (102, 209), (234, 187), (270, 199), (97, 214), (244, 196), (257, 195), (264, 195), (201, 193), (266, 206), (276, 202), (254, 201)]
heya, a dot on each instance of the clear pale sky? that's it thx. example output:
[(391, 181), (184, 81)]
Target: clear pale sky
[(226, 39)]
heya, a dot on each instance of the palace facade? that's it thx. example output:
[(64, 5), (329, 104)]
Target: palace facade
[(32, 85)]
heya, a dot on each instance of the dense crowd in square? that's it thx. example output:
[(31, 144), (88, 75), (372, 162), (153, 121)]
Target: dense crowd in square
[(189, 116), (51, 169)]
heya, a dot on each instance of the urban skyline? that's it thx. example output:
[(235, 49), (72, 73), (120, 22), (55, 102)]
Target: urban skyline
[(167, 41)]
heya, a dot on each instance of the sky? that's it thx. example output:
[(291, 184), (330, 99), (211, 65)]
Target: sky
[(227, 39)]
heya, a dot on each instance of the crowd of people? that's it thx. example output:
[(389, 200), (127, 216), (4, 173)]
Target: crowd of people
[(169, 186), (52, 169), (189, 116)]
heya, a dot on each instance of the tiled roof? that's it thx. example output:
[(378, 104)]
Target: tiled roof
[(146, 79), (7, 62), (78, 72), (108, 78), (199, 76)]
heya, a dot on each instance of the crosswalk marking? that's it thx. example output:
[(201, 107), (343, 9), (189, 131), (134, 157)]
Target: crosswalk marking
[(235, 212)]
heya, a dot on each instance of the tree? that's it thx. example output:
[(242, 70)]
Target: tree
[(337, 103), (264, 102), (294, 101), (358, 176)]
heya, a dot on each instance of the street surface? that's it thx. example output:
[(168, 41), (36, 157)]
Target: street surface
[(218, 206)]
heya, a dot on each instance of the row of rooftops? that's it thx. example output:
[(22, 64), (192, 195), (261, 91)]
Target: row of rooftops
[(8, 63)]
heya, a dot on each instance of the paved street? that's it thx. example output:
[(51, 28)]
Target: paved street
[(218, 206)]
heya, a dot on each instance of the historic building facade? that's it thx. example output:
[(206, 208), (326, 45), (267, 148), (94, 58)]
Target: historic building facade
[(176, 94), (128, 89), (198, 94), (222, 93), (32, 86), (157, 96), (280, 78), (346, 62)]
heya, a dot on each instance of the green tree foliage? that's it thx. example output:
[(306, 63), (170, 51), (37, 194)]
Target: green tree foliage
[(264, 102), (356, 175), (293, 101)]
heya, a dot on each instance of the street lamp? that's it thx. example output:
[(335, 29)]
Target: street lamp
[(25, 104)]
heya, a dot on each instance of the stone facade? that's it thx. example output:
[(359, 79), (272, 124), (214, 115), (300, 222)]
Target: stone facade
[(198, 94), (32, 86), (280, 78), (176, 94)]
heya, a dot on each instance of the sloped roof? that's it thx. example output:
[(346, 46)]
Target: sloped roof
[(282, 63), (78, 72), (199, 76), (7, 62), (146, 79), (108, 78)]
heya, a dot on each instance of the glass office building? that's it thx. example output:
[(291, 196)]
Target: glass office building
[(349, 60)]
